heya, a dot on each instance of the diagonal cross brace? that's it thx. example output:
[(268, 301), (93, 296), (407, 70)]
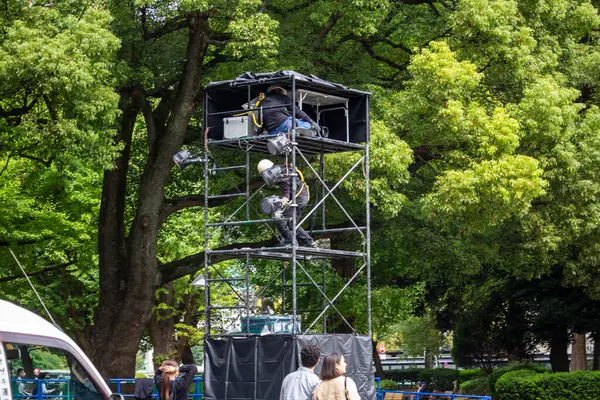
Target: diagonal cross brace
[(327, 298), (330, 193), (334, 299)]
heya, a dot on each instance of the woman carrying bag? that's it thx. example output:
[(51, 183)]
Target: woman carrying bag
[(169, 388), (334, 385)]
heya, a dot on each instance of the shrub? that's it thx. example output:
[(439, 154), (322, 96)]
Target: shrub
[(477, 386), (517, 385), (440, 379), (468, 374), (514, 367), (388, 384), (403, 375), (529, 385)]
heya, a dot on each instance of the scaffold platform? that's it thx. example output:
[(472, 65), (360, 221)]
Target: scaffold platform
[(284, 253), (308, 145)]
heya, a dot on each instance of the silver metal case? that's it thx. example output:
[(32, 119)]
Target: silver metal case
[(237, 127)]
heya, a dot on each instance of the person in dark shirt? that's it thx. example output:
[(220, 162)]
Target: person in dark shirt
[(279, 119), (302, 195), (169, 388)]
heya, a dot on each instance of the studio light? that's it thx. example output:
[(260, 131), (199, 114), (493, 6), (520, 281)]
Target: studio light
[(270, 204), (274, 175), (183, 158), (279, 145)]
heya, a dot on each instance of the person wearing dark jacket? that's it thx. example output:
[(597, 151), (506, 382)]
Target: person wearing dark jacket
[(302, 195), (169, 388), (279, 119)]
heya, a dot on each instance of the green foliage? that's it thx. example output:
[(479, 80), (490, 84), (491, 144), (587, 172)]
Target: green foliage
[(524, 368), (478, 386), (403, 375), (522, 385), (486, 195), (469, 374), (389, 160), (56, 84), (420, 335), (44, 359), (388, 384), (439, 379)]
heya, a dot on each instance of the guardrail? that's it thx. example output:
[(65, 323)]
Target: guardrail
[(63, 387), (381, 395), (195, 395), (34, 387)]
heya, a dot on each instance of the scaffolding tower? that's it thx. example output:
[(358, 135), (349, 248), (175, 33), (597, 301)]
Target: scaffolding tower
[(345, 112)]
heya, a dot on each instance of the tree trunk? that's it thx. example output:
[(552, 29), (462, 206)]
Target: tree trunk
[(428, 359), (112, 253), (578, 352), (161, 328), (512, 356), (376, 360), (129, 274), (558, 351), (596, 358)]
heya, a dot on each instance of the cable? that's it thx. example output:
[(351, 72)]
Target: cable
[(33, 287)]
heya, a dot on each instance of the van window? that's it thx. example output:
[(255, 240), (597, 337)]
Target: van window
[(46, 373)]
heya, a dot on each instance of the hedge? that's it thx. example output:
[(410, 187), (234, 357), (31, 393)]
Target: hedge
[(403, 375), (440, 379), (388, 384), (528, 385), (478, 386), (468, 374), (514, 367)]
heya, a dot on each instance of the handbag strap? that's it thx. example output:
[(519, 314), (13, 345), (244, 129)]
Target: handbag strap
[(345, 389)]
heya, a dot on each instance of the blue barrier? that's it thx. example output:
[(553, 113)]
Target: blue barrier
[(197, 394), (31, 384), (426, 395)]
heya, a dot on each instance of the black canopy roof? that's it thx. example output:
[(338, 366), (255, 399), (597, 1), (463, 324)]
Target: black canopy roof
[(302, 81)]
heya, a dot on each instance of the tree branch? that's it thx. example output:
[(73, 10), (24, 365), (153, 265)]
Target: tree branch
[(6, 165), (5, 243), (47, 164), (394, 45), (188, 265), (191, 264), (173, 25), (51, 109), (143, 104), (197, 200), (423, 154), (333, 19), (40, 272), (367, 46), (16, 112), (163, 90)]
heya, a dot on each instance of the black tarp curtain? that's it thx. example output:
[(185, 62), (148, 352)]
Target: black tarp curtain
[(254, 367)]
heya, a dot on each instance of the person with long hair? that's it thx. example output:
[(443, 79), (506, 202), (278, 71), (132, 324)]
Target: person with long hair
[(45, 376), (334, 385), (169, 387)]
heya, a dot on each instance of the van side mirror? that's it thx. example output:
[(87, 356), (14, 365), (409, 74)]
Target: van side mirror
[(116, 396)]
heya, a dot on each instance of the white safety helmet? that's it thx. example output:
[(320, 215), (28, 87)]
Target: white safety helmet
[(264, 165)]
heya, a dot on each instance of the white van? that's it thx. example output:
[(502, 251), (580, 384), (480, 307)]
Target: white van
[(27, 339)]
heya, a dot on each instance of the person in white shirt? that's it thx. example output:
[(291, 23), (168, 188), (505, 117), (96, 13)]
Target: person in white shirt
[(300, 385), (21, 386)]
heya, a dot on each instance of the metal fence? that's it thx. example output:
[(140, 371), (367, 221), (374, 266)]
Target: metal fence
[(63, 390), (33, 389)]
